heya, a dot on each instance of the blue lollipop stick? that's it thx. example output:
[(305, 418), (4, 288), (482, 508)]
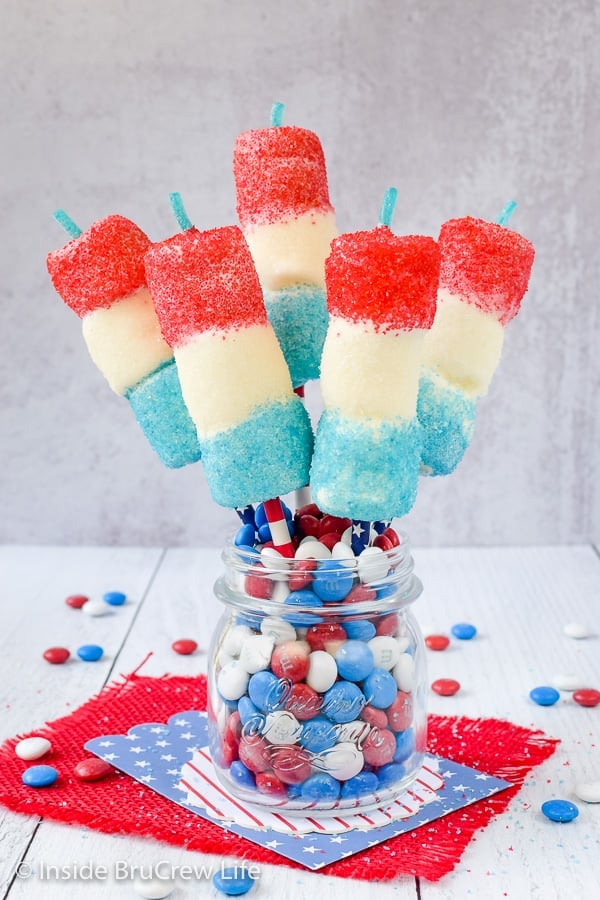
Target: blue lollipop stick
[(66, 222), (388, 206), (504, 217), (277, 111), (183, 220)]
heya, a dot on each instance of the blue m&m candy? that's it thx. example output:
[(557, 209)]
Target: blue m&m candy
[(242, 775), (302, 598), (343, 702), (354, 660), (320, 787), (332, 581), (318, 734), (233, 881), (380, 689), (464, 631), (267, 692), (244, 536), (248, 710), (560, 810), (39, 776), (544, 695), (390, 774), (364, 783), (90, 652), (405, 745), (114, 598), (361, 630)]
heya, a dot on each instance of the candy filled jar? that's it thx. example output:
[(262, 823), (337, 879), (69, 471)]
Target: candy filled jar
[(317, 680)]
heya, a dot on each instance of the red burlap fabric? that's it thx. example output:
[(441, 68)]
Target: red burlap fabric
[(121, 805)]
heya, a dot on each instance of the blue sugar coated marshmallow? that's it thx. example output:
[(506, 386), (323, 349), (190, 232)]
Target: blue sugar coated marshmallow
[(114, 598), (332, 581), (298, 314), (267, 692), (361, 630), (405, 745), (544, 695), (39, 776), (266, 455), (343, 702), (354, 660), (365, 472), (560, 810), (380, 689), (464, 631), (320, 787), (242, 775), (302, 598), (318, 734), (364, 783), (163, 417), (90, 652), (447, 417), (234, 881)]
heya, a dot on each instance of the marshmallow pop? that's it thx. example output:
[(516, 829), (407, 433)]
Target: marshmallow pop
[(284, 211), (254, 432), (484, 274), (100, 276), (381, 292)]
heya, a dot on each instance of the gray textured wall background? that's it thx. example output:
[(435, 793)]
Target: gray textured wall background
[(106, 107)]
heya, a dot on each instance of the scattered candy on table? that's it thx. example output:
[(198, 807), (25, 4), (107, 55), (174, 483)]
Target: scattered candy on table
[(437, 641), (586, 697), (567, 682), (588, 791), (445, 687), (544, 695), (39, 776), (33, 748), (560, 810), (464, 631), (234, 881), (56, 655), (114, 598), (184, 646), (90, 652), (96, 608), (92, 769), (577, 630), (154, 888), (76, 601)]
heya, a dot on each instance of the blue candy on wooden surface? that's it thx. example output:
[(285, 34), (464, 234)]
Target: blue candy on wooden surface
[(90, 652), (464, 631), (114, 598), (544, 695), (560, 810), (233, 881)]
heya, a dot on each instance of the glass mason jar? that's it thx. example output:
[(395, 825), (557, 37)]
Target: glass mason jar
[(317, 680)]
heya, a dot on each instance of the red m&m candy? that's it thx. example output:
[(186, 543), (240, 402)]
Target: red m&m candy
[(76, 601), (184, 647), (56, 655), (92, 769), (586, 697), (445, 687), (437, 641)]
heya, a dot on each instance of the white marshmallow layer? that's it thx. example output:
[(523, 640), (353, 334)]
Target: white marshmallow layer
[(125, 340), (464, 344), (225, 375), (370, 374), (292, 251)]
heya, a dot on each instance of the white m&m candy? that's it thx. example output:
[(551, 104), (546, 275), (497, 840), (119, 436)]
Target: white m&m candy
[(234, 639), (282, 727), (232, 681), (278, 629), (403, 672), (385, 650), (373, 564), (322, 671), (256, 651), (32, 748), (343, 761)]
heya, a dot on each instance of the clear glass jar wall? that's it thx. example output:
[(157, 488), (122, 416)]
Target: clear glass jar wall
[(316, 701)]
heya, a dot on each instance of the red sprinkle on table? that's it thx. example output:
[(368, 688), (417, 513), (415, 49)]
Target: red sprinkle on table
[(445, 687)]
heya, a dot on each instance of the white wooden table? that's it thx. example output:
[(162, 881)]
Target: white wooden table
[(519, 599)]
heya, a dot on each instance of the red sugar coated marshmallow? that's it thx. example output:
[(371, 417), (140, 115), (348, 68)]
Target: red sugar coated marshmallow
[(279, 174), (104, 264), (56, 655), (586, 697), (76, 601), (486, 265), (184, 646), (92, 769), (204, 280), (445, 687), (437, 641), (378, 277)]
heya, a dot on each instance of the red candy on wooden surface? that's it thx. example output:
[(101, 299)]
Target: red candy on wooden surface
[(445, 687), (202, 281), (76, 601), (437, 641), (104, 264), (93, 769), (486, 264), (184, 646), (379, 277), (586, 697), (279, 174), (56, 655)]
